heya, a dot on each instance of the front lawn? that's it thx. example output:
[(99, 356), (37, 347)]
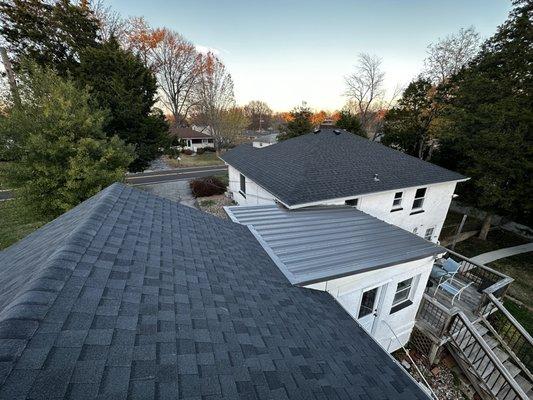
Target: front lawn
[(15, 224), (195, 160), (4, 165)]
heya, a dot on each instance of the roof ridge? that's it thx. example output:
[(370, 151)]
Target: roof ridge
[(21, 317)]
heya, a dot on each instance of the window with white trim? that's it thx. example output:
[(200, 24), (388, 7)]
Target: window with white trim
[(403, 290), (419, 198), (397, 202), (242, 185), (429, 233)]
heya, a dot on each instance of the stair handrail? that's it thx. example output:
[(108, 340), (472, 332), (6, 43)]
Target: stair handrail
[(489, 353), (519, 328)]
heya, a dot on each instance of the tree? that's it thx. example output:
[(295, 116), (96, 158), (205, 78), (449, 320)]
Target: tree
[(120, 83), (365, 88), (350, 122), (407, 126), (318, 117), (66, 157), (299, 123), (178, 69), (234, 122), (215, 97), (489, 117), (447, 56), (259, 114), (142, 40), (51, 33)]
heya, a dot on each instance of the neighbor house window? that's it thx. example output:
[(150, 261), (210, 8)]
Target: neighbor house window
[(402, 291), (419, 198), (351, 202), (397, 202), (243, 185), (429, 233)]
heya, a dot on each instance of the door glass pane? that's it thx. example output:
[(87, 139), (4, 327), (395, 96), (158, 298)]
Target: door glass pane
[(367, 302)]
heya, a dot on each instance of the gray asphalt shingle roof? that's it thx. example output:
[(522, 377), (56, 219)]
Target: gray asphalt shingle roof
[(326, 165), (317, 244), (131, 296)]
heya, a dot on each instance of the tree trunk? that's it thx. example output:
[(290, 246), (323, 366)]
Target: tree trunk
[(10, 76), (485, 227)]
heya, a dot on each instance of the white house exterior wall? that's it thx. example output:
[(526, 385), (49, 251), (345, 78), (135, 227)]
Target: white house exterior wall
[(255, 194), (436, 203), (348, 291)]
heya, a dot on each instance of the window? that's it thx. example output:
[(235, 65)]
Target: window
[(429, 233), (397, 202), (402, 291), (419, 198), (351, 202), (243, 185)]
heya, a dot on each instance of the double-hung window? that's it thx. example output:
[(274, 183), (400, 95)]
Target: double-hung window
[(397, 202), (242, 185), (419, 198), (401, 297)]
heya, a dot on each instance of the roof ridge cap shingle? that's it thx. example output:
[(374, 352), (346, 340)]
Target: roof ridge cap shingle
[(18, 319)]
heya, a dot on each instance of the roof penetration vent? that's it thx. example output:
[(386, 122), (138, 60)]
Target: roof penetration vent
[(376, 178), (317, 130), (337, 131)]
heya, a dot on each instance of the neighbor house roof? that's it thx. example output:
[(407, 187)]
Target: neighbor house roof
[(188, 133), (317, 244), (129, 295), (329, 165)]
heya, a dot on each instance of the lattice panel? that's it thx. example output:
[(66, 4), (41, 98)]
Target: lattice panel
[(420, 342)]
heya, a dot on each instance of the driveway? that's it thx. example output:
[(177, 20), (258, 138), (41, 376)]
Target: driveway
[(176, 191)]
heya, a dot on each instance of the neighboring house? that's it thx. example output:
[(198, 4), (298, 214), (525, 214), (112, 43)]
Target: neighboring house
[(194, 140), (265, 140), (333, 167), (376, 271), (129, 295)]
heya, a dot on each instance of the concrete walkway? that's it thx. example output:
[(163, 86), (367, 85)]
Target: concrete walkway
[(486, 258)]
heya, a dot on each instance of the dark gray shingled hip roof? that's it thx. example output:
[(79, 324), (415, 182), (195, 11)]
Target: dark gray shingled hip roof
[(325, 165), (131, 296), (317, 244)]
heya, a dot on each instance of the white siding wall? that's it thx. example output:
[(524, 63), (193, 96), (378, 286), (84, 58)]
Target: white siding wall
[(348, 291), (255, 194), (436, 203)]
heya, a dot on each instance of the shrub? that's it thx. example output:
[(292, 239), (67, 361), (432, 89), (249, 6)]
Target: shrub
[(208, 186), (187, 152), (210, 149), (200, 151)]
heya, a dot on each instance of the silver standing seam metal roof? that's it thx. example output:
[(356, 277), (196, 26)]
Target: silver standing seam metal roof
[(323, 243)]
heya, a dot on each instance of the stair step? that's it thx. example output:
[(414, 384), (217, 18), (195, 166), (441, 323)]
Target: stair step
[(511, 368), (492, 342), (481, 329), (524, 383)]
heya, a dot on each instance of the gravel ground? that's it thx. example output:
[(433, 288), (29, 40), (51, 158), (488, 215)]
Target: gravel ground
[(441, 378), (158, 164), (213, 205)]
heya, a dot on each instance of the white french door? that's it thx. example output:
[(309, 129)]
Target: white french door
[(368, 309)]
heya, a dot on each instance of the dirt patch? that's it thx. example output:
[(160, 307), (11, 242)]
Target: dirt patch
[(214, 205), (445, 378)]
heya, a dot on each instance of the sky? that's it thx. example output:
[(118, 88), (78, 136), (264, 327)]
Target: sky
[(286, 52)]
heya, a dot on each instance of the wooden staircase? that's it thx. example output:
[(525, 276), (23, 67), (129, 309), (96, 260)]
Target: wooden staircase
[(496, 356)]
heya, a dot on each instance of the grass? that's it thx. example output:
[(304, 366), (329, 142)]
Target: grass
[(15, 224), (196, 160), (4, 165), (521, 313)]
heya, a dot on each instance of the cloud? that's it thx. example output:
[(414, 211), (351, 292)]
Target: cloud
[(206, 49)]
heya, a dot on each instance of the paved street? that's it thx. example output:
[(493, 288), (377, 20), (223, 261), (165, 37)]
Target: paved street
[(149, 178)]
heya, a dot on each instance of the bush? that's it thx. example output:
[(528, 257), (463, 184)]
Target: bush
[(200, 151), (210, 149), (187, 152), (208, 186)]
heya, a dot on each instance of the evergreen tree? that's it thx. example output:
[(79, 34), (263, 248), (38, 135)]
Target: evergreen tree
[(299, 123), (489, 121), (350, 122), (50, 33), (63, 156), (122, 84), (407, 126)]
